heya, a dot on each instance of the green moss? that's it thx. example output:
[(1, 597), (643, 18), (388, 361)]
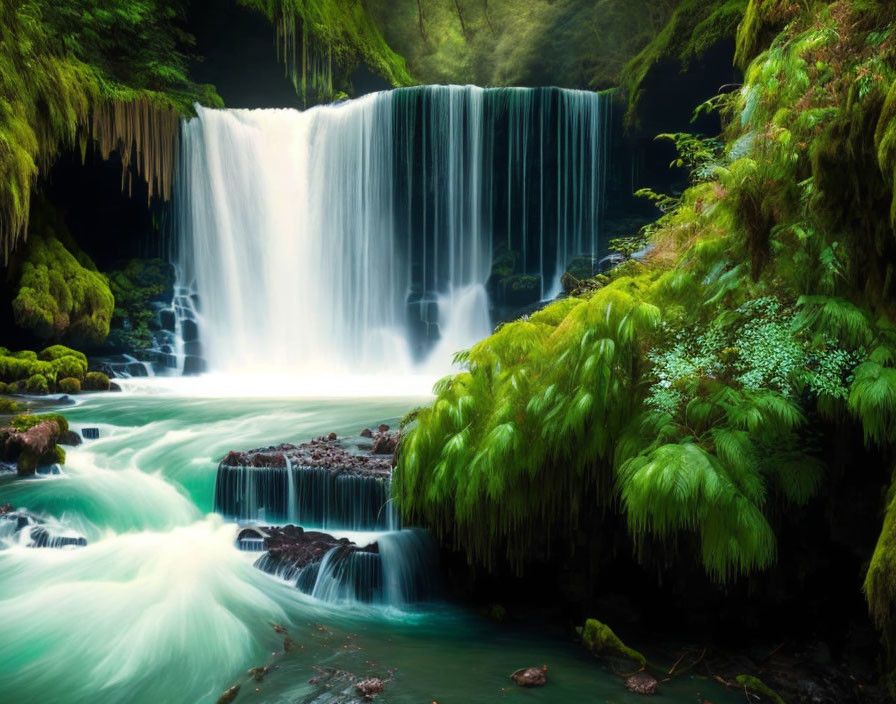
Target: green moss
[(757, 686), (62, 65), (56, 352), (69, 385), (96, 381), (37, 384), (320, 39), (56, 295), (570, 43), (599, 638), (58, 455), (27, 421), (8, 406)]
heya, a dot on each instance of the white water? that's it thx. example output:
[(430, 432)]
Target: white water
[(321, 242)]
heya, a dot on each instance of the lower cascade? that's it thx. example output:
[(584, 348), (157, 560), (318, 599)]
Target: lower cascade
[(333, 484), (365, 230), (395, 569)]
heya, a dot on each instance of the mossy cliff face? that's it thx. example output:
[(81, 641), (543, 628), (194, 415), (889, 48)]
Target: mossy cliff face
[(58, 293), (569, 43), (683, 398)]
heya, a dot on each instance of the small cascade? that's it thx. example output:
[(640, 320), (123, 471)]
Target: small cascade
[(397, 569), (312, 496), (24, 529), (175, 348)]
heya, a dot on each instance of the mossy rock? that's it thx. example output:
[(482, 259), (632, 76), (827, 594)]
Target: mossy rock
[(69, 385), (37, 384), (757, 686), (8, 406), (56, 352), (96, 381), (600, 640), (58, 297), (29, 461), (26, 421)]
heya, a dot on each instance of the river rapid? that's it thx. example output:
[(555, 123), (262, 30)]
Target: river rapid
[(160, 606)]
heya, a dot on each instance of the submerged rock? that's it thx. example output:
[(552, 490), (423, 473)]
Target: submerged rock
[(370, 687), (530, 677), (18, 527), (230, 695), (641, 683)]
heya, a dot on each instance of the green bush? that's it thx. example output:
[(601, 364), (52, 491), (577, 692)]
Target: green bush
[(54, 352), (37, 384), (69, 385), (96, 381), (57, 297)]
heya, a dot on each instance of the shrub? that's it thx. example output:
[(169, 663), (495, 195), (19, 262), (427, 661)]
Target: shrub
[(59, 294), (96, 381), (69, 385), (37, 384), (54, 352)]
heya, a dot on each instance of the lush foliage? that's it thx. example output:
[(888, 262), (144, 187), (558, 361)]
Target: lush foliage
[(63, 69), (28, 372), (319, 39), (59, 294), (135, 286), (679, 393), (574, 43)]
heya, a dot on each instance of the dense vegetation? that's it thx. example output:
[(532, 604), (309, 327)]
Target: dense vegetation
[(686, 391)]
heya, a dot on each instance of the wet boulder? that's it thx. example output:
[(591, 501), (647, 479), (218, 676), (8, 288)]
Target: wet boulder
[(641, 683), (370, 687), (530, 677), (31, 441)]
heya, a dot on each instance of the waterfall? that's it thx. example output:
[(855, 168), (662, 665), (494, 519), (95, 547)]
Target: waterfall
[(359, 236), (312, 497)]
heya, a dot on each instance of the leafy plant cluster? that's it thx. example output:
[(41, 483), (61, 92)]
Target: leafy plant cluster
[(680, 394), (55, 368), (62, 64), (323, 40), (135, 286)]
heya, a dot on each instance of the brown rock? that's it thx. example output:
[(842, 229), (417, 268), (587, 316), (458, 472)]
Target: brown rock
[(229, 695), (370, 687), (383, 428), (385, 444), (530, 677), (332, 436), (258, 673), (641, 683), (367, 433)]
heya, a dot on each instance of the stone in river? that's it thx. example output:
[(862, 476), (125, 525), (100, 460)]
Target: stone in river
[(229, 695), (641, 683), (370, 687), (530, 677)]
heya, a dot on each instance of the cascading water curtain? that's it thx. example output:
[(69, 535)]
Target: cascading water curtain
[(359, 237)]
